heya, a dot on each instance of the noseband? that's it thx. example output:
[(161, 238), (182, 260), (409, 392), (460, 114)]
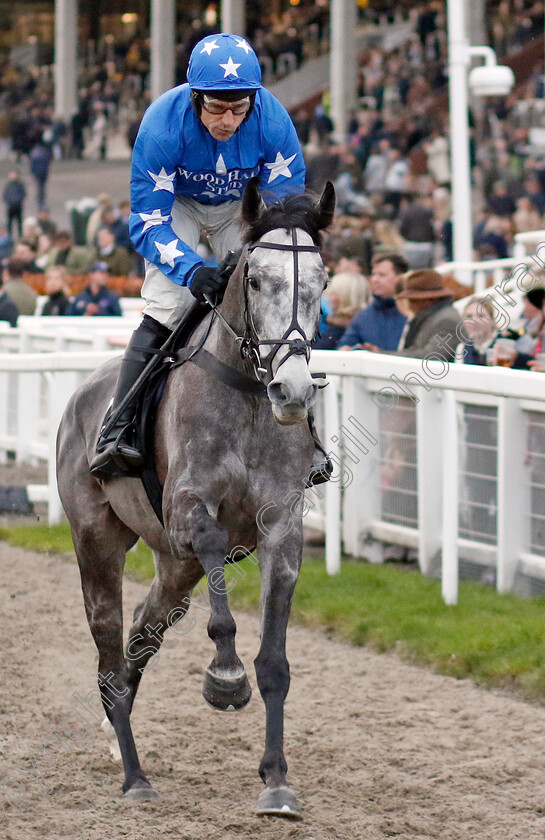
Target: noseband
[(251, 343)]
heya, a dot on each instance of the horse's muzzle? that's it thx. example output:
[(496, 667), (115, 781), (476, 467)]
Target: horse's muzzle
[(290, 404)]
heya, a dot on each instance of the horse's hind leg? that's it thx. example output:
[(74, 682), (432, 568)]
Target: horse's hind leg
[(192, 529), (101, 545)]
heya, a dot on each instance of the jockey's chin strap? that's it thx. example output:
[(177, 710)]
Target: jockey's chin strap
[(251, 343)]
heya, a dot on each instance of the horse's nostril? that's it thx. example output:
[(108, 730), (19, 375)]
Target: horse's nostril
[(310, 395), (278, 393)]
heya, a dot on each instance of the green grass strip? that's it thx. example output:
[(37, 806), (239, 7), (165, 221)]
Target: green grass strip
[(491, 638), (56, 539)]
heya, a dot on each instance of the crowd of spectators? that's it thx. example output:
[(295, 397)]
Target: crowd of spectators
[(392, 176), (392, 180), (395, 167), (34, 247), (114, 82)]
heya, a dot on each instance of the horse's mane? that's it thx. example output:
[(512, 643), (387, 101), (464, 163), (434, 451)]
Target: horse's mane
[(296, 211)]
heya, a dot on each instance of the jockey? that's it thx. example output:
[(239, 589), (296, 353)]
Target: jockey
[(198, 146)]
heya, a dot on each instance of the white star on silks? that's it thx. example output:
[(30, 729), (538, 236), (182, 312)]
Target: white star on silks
[(152, 219), (163, 181), (221, 169), (209, 46), (230, 68), (244, 46), (169, 252), (279, 167)]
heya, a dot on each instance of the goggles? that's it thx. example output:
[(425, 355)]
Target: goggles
[(220, 106)]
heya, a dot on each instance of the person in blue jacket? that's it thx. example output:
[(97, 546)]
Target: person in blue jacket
[(96, 298), (381, 323), (197, 147), (40, 160), (14, 195)]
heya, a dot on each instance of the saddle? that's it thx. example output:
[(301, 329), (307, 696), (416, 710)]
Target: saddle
[(149, 397)]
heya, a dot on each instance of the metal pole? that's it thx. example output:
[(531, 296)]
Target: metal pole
[(458, 61), (233, 17), (66, 47), (342, 64), (163, 34)]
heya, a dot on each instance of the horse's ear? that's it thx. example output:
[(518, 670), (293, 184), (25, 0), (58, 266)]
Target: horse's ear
[(251, 202), (326, 206)]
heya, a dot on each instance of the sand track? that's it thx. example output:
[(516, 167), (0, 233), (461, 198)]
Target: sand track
[(376, 748)]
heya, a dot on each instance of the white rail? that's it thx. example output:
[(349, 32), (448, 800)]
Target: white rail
[(33, 335), (418, 409), (130, 307), (30, 411), (442, 459), (487, 275)]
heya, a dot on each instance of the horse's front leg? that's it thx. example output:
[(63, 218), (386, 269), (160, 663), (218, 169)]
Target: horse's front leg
[(226, 685), (280, 560)]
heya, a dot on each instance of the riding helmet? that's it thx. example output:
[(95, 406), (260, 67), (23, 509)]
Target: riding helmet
[(224, 63)]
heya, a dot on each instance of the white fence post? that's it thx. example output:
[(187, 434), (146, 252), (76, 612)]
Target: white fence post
[(28, 413), (361, 460), (332, 488), (429, 443), (513, 504), (449, 556), (61, 385), (4, 412)]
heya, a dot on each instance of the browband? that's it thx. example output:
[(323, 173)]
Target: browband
[(275, 246)]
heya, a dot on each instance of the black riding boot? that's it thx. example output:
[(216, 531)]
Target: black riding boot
[(116, 453), (321, 468)]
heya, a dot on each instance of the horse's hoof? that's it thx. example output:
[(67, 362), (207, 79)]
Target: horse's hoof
[(141, 793), (224, 694), (278, 802)]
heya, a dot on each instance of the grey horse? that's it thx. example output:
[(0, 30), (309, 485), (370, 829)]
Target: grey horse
[(233, 460)]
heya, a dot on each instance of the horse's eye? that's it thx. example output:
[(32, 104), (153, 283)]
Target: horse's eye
[(255, 285)]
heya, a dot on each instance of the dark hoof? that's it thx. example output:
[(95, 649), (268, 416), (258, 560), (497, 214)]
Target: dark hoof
[(226, 695), (141, 793), (279, 802)]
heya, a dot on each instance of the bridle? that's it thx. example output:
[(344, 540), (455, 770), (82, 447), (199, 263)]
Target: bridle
[(250, 343)]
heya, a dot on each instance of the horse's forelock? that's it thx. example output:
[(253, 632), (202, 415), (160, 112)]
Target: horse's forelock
[(296, 211)]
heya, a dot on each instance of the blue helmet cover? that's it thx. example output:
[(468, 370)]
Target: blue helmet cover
[(223, 62)]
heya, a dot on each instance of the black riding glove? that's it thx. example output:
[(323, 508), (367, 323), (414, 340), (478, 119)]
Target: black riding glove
[(229, 263), (210, 282)]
